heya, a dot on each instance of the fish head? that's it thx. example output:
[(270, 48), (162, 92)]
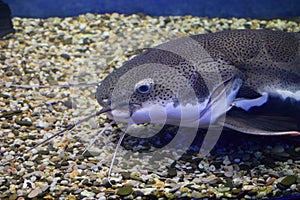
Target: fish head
[(160, 86)]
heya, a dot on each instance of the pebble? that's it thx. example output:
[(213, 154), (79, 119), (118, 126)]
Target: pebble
[(172, 172), (64, 182), (210, 180), (249, 187), (287, 181), (196, 195), (102, 198), (200, 166), (124, 191), (278, 149), (228, 174), (270, 180), (226, 162), (35, 192), (135, 176), (66, 56), (29, 163), (237, 181), (86, 193)]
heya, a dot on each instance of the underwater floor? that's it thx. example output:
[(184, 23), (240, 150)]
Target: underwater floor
[(85, 49)]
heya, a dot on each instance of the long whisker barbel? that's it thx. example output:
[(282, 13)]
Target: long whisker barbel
[(49, 86), (97, 136), (115, 154)]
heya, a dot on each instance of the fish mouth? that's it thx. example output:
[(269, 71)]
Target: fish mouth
[(119, 115)]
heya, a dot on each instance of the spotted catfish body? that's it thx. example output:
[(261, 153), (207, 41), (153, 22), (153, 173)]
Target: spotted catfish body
[(246, 80)]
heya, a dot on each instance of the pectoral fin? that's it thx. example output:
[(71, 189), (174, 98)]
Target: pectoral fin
[(247, 104), (243, 122)]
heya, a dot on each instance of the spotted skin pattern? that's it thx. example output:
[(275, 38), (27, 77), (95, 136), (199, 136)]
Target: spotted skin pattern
[(267, 62)]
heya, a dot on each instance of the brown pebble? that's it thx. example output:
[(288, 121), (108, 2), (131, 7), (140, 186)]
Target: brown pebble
[(12, 170), (73, 174), (269, 182), (13, 197), (35, 192), (42, 168), (49, 197)]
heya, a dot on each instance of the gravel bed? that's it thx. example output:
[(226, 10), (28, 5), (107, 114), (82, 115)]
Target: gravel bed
[(85, 49)]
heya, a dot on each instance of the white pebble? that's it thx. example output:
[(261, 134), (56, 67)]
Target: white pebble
[(226, 162), (200, 166), (64, 182), (293, 187)]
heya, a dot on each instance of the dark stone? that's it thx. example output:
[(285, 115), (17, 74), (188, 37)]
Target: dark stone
[(66, 56), (125, 175), (172, 172), (5, 126), (137, 193), (64, 163), (106, 183), (124, 191), (69, 104), (22, 122), (288, 181)]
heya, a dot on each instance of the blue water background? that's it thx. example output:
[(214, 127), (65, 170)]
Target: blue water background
[(261, 9)]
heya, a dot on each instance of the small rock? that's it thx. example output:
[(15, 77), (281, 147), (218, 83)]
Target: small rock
[(210, 180), (69, 197), (237, 181), (277, 149), (64, 182), (196, 195), (124, 191), (73, 174), (274, 174), (135, 176), (288, 181), (125, 175), (293, 187), (226, 162), (28, 163), (23, 122), (102, 198), (106, 183), (224, 189), (13, 197), (172, 172), (228, 174), (236, 191), (261, 194), (200, 166), (212, 168), (64, 163), (87, 193), (35, 192), (270, 180), (138, 193), (249, 187), (175, 188), (66, 56)]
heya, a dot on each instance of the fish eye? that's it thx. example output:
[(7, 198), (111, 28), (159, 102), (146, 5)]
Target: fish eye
[(144, 86), (143, 89)]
